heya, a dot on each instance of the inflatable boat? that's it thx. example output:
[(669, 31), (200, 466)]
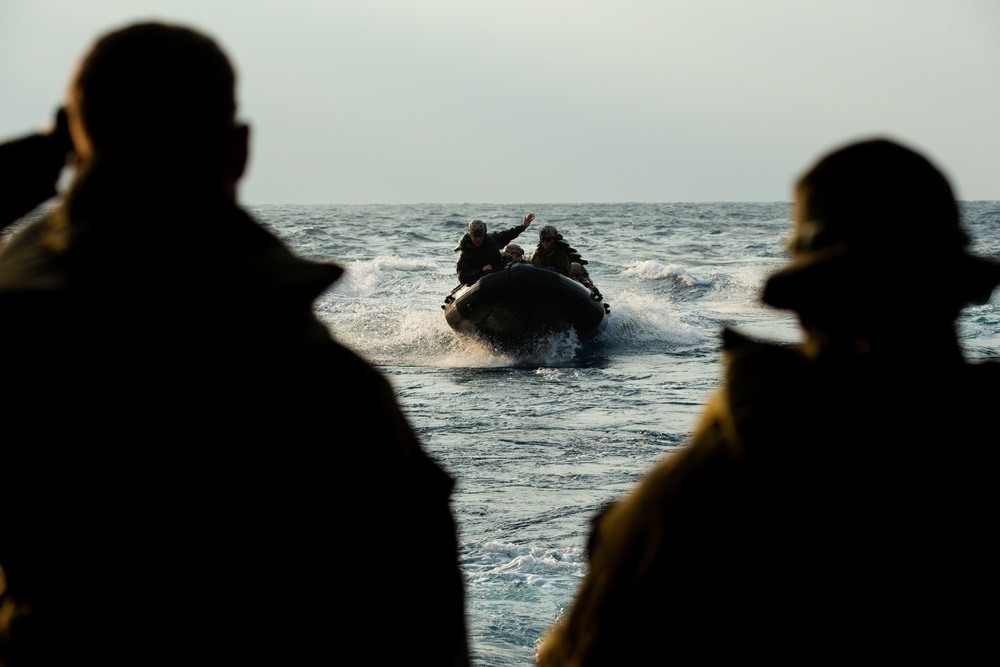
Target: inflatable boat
[(523, 301)]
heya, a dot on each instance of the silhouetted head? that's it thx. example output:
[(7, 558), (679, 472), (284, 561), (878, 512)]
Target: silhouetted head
[(877, 230), (160, 95)]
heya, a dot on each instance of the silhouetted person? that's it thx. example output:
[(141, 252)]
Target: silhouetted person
[(837, 499), (194, 471), (480, 251)]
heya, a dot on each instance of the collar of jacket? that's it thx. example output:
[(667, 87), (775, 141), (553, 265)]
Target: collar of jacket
[(141, 239)]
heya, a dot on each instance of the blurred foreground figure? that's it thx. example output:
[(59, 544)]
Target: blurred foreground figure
[(178, 482), (837, 502)]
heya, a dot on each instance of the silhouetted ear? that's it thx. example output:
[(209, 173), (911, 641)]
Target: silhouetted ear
[(235, 164)]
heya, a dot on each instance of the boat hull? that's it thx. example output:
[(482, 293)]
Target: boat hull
[(524, 301)]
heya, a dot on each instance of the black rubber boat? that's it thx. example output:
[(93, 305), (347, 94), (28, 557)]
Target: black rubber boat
[(523, 301)]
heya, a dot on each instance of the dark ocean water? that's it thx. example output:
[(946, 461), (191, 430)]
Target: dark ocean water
[(537, 443)]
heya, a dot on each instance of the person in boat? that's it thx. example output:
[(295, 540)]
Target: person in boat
[(512, 254), (837, 496), (579, 274), (480, 251), (553, 252), (167, 477)]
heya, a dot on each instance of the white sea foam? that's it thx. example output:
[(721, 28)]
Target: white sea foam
[(651, 269), (500, 562)]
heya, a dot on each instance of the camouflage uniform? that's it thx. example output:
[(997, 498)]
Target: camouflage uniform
[(559, 256), (472, 259)]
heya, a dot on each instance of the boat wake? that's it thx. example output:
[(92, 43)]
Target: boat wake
[(389, 310)]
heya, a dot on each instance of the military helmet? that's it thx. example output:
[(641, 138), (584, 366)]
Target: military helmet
[(547, 232), (514, 248), (477, 228), (576, 269)]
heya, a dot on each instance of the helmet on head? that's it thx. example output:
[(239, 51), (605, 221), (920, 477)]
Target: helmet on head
[(513, 248), (477, 228), (576, 269), (547, 232), (876, 211)]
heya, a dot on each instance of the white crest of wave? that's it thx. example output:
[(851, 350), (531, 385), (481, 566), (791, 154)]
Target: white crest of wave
[(529, 565), (650, 269), (376, 276), (642, 317), (472, 352)]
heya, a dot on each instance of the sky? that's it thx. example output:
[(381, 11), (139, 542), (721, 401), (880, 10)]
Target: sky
[(558, 101)]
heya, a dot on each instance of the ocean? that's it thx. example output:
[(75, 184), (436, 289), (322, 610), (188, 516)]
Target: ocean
[(537, 443)]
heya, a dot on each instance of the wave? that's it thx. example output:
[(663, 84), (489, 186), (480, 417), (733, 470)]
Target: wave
[(514, 563), (651, 269)]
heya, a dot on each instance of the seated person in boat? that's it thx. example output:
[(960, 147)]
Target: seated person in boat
[(579, 274), (553, 252), (512, 254), (480, 252)]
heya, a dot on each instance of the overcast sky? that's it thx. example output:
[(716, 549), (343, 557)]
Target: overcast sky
[(552, 101)]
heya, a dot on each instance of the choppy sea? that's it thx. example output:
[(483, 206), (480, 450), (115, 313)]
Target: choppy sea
[(538, 442)]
